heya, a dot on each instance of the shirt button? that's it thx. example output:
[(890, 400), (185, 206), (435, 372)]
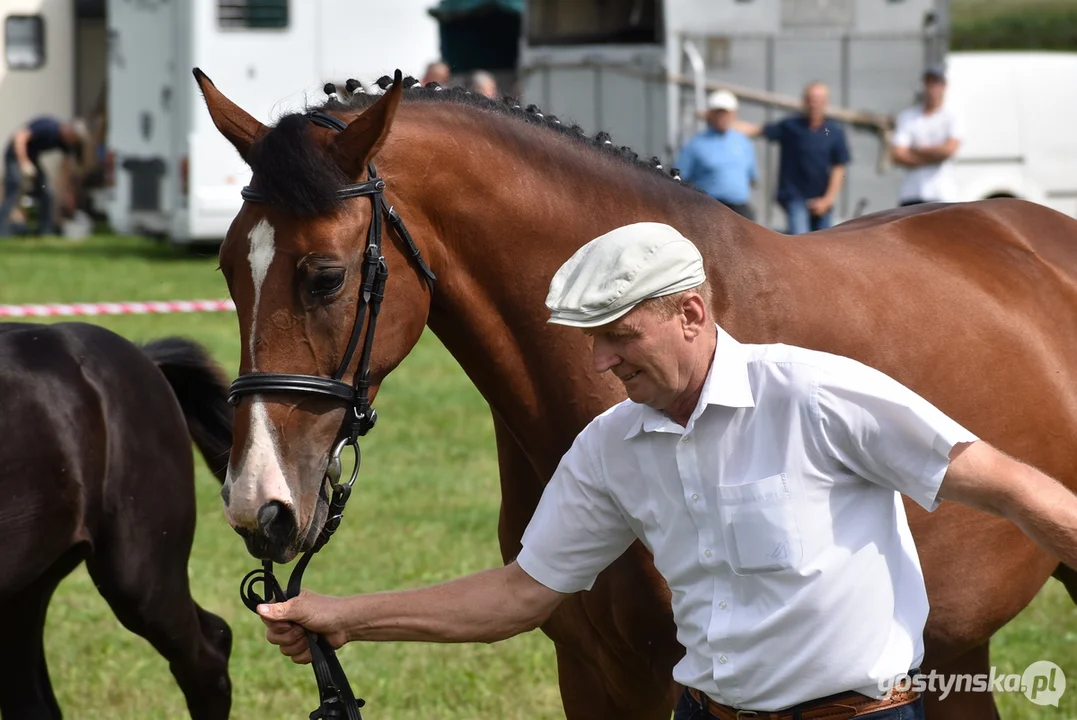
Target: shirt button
[(722, 605), (695, 497), (706, 553), (723, 659), (685, 438)]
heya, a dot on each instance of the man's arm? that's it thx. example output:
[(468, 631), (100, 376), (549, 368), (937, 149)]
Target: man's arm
[(932, 154), (752, 130), (985, 478), (821, 204), (488, 606), (19, 142), (905, 156)]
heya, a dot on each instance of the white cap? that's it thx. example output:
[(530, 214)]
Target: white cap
[(722, 100), (613, 273)]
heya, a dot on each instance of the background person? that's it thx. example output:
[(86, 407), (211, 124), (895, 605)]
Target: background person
[(23, 172), (814, 154), (720, 160), (926, 137)]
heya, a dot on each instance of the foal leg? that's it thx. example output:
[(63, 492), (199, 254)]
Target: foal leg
[(963, 705), (25, 688), (140, 568)]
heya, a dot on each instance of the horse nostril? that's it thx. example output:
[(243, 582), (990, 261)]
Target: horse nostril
[(276, 523)]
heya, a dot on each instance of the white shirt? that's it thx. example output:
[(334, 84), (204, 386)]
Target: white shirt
[(774, 517), (916, 129)]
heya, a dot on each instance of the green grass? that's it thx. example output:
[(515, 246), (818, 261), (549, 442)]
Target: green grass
[(425, 511), (1014, 25)]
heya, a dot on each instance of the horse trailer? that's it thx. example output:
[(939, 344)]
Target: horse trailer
[(175, 175), (616, 65)]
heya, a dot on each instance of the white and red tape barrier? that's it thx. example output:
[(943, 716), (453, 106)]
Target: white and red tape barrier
[(116, 308)]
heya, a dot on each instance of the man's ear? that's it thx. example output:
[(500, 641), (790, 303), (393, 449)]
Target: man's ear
[(694, 312)]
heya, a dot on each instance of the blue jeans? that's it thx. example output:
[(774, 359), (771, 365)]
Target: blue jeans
[(801, 220), (12, 181), (689, 709)]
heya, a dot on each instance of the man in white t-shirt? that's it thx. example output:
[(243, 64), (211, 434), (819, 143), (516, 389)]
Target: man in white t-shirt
[(925, 139), (765, 479)]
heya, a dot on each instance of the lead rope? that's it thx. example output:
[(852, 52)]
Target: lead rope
[(337, 701)]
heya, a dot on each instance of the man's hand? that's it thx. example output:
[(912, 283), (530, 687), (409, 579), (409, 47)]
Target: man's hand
[(286, 623), (28, 170), (820, 205)]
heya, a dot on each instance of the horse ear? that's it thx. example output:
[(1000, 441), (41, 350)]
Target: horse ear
[(233, 121), (362, 139)]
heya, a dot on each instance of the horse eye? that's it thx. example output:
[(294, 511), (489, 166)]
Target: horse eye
[(326, 282)]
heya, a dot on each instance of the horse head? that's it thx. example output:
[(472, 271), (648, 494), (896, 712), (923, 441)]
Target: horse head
[(301, 259)]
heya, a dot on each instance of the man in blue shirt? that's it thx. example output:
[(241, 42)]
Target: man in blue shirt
[(22, 166), (814, 154), (720, 160)]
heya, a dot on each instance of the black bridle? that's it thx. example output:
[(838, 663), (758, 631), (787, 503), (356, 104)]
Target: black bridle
[(337, 699)]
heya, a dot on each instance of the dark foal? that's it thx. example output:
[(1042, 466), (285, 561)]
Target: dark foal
[(96, 465)]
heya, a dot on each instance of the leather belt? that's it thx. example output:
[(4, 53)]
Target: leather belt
[(835, 707)]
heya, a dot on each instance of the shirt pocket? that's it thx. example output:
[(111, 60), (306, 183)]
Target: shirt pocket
[(759, 526)]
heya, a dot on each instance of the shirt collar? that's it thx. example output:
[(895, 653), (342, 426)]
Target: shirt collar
[(726, 384)]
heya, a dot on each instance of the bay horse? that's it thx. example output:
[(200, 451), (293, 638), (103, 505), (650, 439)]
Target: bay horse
[(972, 305), (96, 466)]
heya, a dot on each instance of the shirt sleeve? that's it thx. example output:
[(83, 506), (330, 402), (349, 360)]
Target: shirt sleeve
[(839, 150), (883, 431), (773, 131), (753, 173), (902, 137), (577, 529), (686, 161)]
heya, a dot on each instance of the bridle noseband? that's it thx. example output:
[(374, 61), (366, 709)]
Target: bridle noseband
[(337, 699)]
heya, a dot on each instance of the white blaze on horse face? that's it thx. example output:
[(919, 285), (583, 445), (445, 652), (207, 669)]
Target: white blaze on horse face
[(260, 258), (259, 478)]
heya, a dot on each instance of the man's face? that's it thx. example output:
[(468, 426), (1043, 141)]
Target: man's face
[(816, 98), (934, 91), (721, 120), (650, 355)]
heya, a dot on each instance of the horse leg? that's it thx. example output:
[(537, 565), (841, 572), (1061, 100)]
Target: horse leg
[(140, 568), (25, 688), (1068, 577), (963, 704)]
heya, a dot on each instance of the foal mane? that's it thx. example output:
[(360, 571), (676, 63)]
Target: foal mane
[(295, 173)]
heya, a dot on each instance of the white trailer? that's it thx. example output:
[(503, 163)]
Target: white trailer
[(1017, 110), (175, 175)]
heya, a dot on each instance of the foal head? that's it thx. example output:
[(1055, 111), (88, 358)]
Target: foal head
[(293, 259)]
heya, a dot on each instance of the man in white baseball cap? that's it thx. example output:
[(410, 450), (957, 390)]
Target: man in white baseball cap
[(720, 160), (765, 481)]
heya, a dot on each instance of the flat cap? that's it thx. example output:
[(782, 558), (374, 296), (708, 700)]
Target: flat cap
[(613, 273)]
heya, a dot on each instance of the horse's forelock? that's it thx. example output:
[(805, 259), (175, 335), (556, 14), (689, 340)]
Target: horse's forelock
[(293, 172)]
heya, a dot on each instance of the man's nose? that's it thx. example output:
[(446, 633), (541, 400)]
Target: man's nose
[(604, 357)]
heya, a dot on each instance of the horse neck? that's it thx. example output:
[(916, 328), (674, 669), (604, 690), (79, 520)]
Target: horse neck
[(508, 203)]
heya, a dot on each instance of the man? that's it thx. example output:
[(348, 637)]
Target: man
[(814, 154), (437, 71), (765, 479), (483, 83), (925, 139), (23, 173), (720, 160)]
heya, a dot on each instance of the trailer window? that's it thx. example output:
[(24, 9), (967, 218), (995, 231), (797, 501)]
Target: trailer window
[(24, 41), (247, 14), (585, 22)]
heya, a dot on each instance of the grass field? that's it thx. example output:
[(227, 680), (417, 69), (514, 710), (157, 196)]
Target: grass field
[(425, 511)]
